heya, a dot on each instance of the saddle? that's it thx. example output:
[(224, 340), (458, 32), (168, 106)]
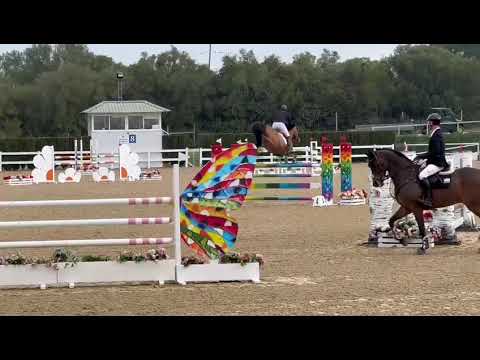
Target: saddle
[(442, 179)]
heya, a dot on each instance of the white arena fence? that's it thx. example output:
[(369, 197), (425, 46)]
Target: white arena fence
[(198, 157)]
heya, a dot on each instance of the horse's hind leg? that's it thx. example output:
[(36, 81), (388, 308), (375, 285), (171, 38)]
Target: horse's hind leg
[(473, 205)]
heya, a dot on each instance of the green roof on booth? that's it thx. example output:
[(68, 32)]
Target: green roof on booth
[(125, 107)]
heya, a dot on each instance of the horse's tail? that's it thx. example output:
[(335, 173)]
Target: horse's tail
[(258, 129)]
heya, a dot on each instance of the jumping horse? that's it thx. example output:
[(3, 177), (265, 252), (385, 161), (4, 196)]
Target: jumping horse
[(448, 187), (274, 141)]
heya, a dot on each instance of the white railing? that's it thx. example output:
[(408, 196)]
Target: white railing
[(454, 146), (311, 153), (79, 158)]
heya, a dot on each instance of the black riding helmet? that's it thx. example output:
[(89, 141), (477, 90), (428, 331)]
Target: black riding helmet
[(434, 118), (283, 107)]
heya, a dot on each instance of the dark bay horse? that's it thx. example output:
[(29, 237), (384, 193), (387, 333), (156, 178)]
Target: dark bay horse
[(273, 141), (463, 187)]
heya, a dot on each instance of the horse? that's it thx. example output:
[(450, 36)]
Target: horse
[(274, 141), (448, 188)]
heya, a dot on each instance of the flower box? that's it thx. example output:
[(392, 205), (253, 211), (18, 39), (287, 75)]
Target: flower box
[(215, 272), (86, 273)]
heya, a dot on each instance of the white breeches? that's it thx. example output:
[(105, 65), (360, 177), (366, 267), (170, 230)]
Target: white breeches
[(281, 128), (429, 171)]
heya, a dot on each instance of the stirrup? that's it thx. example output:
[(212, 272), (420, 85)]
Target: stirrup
[(429, 204)]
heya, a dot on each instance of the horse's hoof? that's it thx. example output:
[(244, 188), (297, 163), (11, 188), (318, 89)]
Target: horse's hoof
[(421, 251)]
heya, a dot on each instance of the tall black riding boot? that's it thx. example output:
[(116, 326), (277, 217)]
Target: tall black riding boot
[(427, 200), (258, 139)]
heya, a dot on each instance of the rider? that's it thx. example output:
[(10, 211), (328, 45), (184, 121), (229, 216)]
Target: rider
[(435, 157), (283, 122)]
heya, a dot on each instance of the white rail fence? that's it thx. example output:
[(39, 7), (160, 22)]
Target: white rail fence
[(199, 157), (81, 158)]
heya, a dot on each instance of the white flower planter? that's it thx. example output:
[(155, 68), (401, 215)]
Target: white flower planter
[(215, 272), (352, 202), (87, 273), (19, 276), (112, 272)]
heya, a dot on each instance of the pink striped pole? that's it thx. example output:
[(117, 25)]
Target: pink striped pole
[(86, 222), (88, 202), (86, 242)]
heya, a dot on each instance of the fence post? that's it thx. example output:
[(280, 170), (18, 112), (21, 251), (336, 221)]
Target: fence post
[(186, 157), (200, 158), (1, 164), (176, 215), (81, 153), (148, 160), (75, 149)]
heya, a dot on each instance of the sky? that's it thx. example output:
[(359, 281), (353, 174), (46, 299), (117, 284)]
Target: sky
[(130, 53)]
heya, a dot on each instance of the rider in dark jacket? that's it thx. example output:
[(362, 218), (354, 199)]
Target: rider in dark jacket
[(435, 157), (285, 117), (283, 122)]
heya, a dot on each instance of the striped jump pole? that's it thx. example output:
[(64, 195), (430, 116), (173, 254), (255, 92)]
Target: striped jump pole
[(83, 202), (285, 186), (85, 242), (279, 198), (284, 165), (86, 222), (282, 175)]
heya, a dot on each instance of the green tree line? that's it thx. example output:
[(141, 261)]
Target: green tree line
[(44, 88)]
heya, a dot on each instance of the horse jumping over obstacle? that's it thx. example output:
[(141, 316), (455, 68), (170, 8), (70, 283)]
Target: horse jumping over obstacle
[(447, 188), (273, 140)]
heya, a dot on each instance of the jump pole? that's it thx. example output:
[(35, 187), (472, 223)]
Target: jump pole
[(279, 198), (287, 165), (86, 222), (283, 175), (86, 242), (287, 186), (83, 202)]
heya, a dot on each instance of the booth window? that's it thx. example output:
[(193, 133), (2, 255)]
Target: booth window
[(149, 123), (117, 123), (135, 122), (100, 122)]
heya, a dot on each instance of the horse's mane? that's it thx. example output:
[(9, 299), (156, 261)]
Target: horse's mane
[(402, 155)]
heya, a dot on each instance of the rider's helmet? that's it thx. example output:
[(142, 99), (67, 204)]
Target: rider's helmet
[(434, 118), (283, 107)]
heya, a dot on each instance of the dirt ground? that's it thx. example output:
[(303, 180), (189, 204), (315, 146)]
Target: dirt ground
[(314, 262)]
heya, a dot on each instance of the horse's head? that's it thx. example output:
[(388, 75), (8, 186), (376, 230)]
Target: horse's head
[(378, 165)]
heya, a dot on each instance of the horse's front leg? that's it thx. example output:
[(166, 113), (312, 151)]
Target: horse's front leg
[(400, 213), (421, 229)]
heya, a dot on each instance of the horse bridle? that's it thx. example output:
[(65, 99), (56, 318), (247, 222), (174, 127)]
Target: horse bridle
[(408, 180)]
